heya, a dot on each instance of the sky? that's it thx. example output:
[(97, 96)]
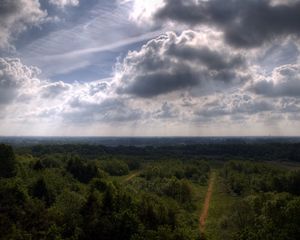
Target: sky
[(149, 67)]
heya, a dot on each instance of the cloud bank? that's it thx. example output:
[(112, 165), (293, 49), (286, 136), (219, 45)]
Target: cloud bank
[(197, 68), (180, 62)]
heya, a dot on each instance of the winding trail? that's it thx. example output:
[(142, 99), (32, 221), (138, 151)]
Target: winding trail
[(204, 213)]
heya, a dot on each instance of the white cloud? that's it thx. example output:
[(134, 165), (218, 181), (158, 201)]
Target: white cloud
[(284, 82), (201, 81), (55, 89), (64, 3), (16, 79), (194, 61), (142, 11), (26, 97), (16, 16)]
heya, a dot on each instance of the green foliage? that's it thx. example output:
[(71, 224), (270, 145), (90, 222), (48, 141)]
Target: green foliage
[(99, 184), (57, 195), (270, 206), (66, 213), (245, 177), (20, 216), (180, 190), (232, 149), (49, 161), (83, 171), (41, 191), (45, 201), (115, 167), (271, 216), (292, 182), (133, 163), (7, 161), (196, 171), (38, 165)]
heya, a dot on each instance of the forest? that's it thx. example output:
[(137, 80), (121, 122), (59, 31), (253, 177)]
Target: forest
[(189, 192)]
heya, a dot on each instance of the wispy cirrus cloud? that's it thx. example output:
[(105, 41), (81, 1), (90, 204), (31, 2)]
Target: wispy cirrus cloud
[(104, 32), (108, 47)]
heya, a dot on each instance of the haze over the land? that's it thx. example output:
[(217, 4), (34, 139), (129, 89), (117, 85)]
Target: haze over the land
[(149, 67)]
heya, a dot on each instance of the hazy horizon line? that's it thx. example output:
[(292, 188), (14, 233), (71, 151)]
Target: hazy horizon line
[(154, 136)]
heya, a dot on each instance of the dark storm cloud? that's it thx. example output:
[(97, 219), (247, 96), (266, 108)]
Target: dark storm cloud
[(246, 23), (213, 59), (171, 63), (269, 89), (153, 84), (9, 8)]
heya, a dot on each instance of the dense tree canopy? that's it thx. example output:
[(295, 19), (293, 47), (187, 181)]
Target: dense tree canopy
[(94, 192)]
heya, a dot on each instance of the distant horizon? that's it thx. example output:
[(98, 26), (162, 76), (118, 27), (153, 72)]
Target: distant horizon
[(142, 136), (143, 140)]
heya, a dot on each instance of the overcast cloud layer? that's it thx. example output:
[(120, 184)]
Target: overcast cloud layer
[(163, 67)]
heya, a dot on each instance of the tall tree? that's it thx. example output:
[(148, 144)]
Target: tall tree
[(7, 161)]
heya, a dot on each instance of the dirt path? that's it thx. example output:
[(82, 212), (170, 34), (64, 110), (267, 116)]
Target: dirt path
[(131, 176), (204, 213)]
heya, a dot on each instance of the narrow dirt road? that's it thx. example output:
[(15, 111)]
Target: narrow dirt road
[(204, 213), (131, 176)]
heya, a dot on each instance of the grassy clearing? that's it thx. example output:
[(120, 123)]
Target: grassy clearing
[(220, 204), (199, 196), (124, 178), (205, 208)]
